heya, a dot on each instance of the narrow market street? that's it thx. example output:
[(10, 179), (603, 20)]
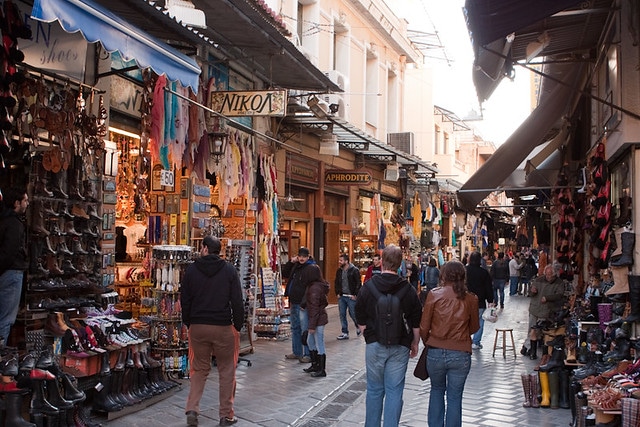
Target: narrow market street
[(274, 392)]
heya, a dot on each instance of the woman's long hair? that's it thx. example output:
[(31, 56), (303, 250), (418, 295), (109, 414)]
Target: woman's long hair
[(453, 273)]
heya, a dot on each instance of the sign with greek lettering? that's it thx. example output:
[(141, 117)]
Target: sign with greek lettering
[(250, 103), (347, 177)]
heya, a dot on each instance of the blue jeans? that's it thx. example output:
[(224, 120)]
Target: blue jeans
[(448, 370), (10, 289), (343, 304), (316, 340), (498, 288), (299, 322), (477, 337), (513, 285), (386, 370)]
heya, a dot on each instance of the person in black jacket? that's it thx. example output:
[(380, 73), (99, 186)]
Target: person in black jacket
[(347, 286), (212, 309), (500, 276), (300, 271), (13, 257), (479, 282)]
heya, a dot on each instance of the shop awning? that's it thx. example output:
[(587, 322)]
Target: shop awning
[(571, 27), (244, 34), (531, 133), (97, 23)]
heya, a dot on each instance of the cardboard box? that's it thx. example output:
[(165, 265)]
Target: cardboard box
[(81, 366)]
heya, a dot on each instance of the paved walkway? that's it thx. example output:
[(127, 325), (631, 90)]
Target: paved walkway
[(274, 392)]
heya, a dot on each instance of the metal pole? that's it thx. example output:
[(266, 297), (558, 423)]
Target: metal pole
[(235, 124)]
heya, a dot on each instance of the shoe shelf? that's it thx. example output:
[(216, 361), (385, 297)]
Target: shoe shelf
[(364, 247)]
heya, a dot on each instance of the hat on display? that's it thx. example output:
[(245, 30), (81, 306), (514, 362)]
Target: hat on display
[(303, 251)]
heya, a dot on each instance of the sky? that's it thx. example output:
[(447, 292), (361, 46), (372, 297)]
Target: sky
[(453, 85)]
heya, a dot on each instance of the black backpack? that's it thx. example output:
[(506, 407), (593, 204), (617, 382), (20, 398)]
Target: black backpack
[(391, 326)]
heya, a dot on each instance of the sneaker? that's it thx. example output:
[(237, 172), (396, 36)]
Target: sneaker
[(226, 421), (305, 359), (192, 418), (343, 337), (476, 346), (291, 356)]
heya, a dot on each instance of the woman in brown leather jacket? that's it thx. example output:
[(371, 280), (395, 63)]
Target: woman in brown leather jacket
[(449, 318)]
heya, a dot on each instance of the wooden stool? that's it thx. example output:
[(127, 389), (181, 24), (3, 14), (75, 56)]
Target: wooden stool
[(504, 342)]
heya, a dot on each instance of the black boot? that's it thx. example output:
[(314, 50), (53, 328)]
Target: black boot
[(39, 403), (533, 352), (314, 362), (556, 361), (71, 392), (628, 243), (13, 410), (574, 388), (634, 298), (563, 400), (55, 397), (322, 360)]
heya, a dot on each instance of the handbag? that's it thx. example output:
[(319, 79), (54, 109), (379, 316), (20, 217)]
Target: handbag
[(420, 370), (490, 315)]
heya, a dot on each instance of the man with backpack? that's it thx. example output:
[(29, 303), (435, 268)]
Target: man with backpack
[(388, 313)]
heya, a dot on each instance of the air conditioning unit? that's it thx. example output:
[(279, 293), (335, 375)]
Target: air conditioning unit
[(184, 11), (402, 141), (339, 79), (392, 172)]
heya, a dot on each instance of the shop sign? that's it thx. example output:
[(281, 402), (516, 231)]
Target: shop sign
[(166, 178), (271, 103), (53, 49), (347, 177)]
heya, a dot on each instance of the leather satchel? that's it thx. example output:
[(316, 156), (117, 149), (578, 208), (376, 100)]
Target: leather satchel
[(420, 370)]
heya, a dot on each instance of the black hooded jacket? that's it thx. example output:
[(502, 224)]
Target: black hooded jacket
[(366, 305), (211, 293), (13, 253)]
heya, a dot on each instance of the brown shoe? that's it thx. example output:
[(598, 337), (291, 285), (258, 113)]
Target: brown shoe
[(291, 356), (192, 418)]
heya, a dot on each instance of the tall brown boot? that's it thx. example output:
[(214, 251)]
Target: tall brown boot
[(52, 265), (534, 390), (37, 219)]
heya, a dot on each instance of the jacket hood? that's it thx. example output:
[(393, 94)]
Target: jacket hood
[(388, 282), (210, 265)]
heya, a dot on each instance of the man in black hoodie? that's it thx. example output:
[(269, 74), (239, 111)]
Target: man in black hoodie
[(212, 309), (387, 364), (13, 256)]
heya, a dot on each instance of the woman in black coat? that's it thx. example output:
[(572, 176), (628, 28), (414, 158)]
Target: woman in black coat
[(479, 282)]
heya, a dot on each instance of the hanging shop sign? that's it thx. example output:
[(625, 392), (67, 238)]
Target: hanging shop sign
[(52, 49), (271, 103), (347, 177)]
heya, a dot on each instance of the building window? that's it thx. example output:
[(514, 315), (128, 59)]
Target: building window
[(436, 140)]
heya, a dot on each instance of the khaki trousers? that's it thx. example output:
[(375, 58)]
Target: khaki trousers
[(206, 341)]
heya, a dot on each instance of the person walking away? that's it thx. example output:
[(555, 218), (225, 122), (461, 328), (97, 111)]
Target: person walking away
[(13, 257), (547, 297), (499, 275), (387, 364), (449, 318), (440, 254), (413, 273), (515, 265), (315, 304), (347, 286), (431, 279), (528, 271), (374, 268), (479, 282), (213, 311), (299, 272)]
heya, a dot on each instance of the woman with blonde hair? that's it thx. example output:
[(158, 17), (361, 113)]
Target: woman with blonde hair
[(449, 318)]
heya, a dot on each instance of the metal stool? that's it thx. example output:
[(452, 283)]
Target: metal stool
[(504, 343)]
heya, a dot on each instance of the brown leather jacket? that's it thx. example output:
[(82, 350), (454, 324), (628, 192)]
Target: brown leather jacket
[(448, 322)]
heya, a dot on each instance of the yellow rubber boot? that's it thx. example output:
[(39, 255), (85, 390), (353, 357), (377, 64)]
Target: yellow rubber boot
[(544, 387)]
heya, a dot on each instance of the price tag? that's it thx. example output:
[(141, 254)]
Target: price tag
[(166, 178)]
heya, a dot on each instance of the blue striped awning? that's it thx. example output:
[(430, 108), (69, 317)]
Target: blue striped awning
[(115, 34)]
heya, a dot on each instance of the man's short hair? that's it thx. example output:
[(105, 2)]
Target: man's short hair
[(391, 258), (345, 257), (213, 244), (12, 195)]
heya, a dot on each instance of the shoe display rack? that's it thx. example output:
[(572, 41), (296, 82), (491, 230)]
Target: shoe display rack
[(364, 247), (241, 254), (169, 340)]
